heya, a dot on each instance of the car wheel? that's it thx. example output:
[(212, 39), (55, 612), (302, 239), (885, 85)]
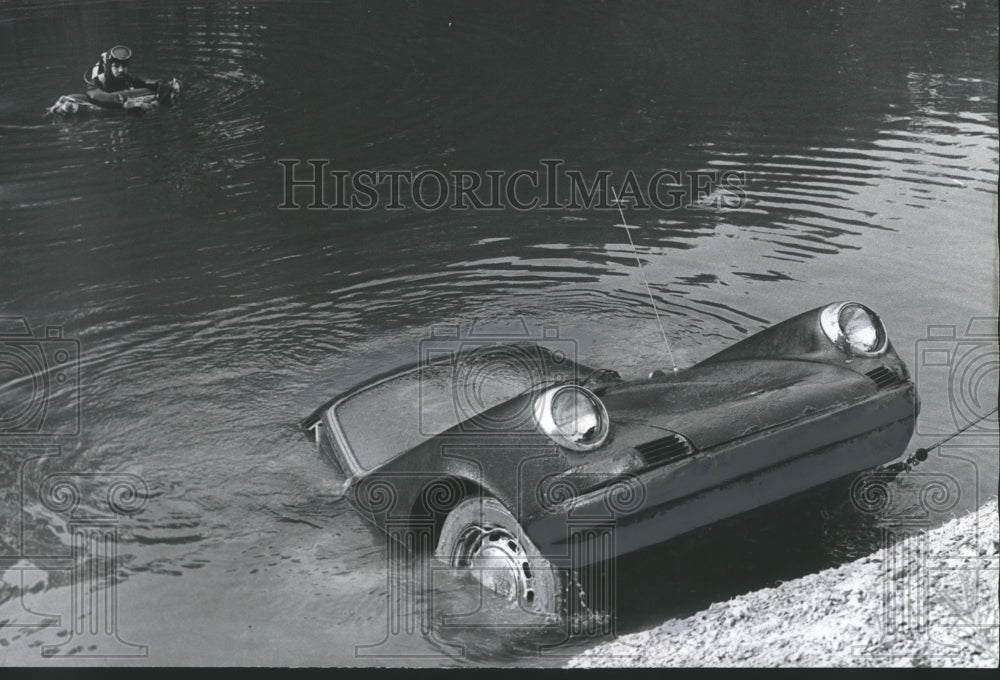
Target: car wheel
[(481, 537)]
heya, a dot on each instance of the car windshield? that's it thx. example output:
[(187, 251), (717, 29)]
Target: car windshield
[(397, 414)]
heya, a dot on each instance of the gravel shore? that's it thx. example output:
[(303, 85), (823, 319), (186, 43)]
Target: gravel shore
[(928, 598)]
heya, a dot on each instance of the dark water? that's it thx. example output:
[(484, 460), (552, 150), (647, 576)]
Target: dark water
[(209, 321)]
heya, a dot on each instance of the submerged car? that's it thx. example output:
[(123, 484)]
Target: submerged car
[(518, 464)]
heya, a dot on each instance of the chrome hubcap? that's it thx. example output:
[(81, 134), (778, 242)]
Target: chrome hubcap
[(497, 560)]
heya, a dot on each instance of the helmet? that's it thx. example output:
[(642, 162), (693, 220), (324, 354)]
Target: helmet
[(120, 54)]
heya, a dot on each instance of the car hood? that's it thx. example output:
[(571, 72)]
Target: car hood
[(714, 404)]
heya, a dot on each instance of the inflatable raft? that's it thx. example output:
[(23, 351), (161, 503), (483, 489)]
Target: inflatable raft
[(138, 100)]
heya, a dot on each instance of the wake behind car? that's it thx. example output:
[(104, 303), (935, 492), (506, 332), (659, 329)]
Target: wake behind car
[(516, 463)]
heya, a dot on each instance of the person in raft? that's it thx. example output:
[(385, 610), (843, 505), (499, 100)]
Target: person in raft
[(109, 78)]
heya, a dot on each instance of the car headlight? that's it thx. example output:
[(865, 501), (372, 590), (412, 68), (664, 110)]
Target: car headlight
[(854, 328), (573, 417)]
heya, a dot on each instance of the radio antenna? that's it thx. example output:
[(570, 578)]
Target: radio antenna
[(628, 232)]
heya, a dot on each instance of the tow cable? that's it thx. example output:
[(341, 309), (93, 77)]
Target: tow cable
[(920, 455)]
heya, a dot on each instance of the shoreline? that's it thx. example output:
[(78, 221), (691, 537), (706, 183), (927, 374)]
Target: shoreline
[(927, 599)]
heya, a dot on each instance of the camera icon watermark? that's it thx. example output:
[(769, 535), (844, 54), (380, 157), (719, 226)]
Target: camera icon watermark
[(471, 377), (39, 381), (966, 367)]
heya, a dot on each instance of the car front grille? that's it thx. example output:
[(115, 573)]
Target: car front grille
[(883, 377), (665, 450)]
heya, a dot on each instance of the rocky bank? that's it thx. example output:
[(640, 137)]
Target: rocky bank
[(925, 599)]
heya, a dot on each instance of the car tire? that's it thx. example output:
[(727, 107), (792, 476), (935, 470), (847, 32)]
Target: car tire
[(481, 537)]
